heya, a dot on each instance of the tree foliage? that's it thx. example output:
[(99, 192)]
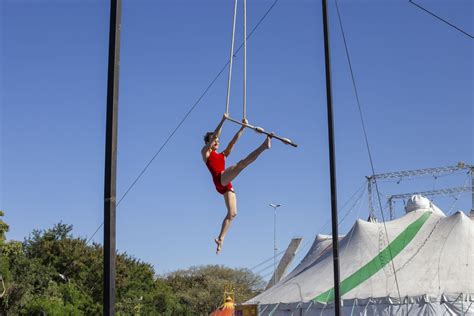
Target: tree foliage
[(199, 289), (54, 273)]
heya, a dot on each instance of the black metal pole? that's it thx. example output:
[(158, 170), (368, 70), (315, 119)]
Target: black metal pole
[(332, 162), (110, 200)]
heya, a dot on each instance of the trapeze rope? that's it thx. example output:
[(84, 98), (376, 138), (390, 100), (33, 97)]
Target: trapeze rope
[(244, 114), (229, 78)]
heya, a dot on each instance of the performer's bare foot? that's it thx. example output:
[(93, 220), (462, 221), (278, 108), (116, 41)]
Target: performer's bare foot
[(219, 243), (268, 141)]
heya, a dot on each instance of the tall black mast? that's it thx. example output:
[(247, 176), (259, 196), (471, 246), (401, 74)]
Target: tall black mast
[(110, 200), (332, 161)]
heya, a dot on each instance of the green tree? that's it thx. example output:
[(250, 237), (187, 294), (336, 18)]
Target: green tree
[(3, 228), (54, 273), (57, 274), (4, 262)]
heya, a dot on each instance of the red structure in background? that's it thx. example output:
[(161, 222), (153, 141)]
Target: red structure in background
[(227, 309)]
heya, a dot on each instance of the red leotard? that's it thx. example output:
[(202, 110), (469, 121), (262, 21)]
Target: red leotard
[(216, 164)]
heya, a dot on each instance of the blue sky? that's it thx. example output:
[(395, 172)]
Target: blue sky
[(415, 82)]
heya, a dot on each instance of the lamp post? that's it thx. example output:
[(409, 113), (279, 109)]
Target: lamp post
[(274, 206)]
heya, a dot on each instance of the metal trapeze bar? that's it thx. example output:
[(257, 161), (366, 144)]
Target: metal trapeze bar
[(262, 131)]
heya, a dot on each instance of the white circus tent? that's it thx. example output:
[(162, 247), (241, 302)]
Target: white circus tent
[(419, 264)]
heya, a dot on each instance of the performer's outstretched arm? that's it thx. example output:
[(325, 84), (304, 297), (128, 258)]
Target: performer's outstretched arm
[(215, 134), (234, 139)]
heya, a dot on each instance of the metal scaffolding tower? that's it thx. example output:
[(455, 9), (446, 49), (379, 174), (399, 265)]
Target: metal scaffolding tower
[(409, 174)]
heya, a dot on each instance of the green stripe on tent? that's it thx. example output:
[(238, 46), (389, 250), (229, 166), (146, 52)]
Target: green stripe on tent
[(376, 264)]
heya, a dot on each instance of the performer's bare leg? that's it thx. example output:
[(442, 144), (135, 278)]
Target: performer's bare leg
[(230, 199), (231, 204), (229, 174)]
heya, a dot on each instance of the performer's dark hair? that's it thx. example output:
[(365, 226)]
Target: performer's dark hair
[(208, 136)]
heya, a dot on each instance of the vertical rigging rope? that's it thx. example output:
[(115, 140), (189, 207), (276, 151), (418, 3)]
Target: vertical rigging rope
[(244, 115), (230, 60)]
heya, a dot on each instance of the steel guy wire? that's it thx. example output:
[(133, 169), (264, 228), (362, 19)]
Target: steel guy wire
[(366, 142), (441, 19)]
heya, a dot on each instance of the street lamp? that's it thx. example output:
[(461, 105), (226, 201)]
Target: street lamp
[(274, 206)]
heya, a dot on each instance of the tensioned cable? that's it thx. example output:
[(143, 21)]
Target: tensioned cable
[(266, 260), (440, 18), (298, 261), (367, 145), (456, 198), (188, 113), (360, 190), (354, 205), (308, 242), (266, 275), (270, 266)]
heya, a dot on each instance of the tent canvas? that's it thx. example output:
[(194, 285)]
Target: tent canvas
[(431, 273)]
